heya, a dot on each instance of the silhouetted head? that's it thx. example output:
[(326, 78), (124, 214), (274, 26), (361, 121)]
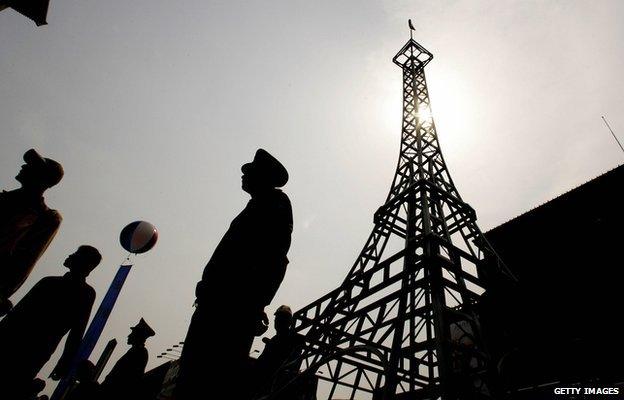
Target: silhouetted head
[(139, 333), (83, 260), (263, 173), (38, 172), (85, 371), (283, 320)]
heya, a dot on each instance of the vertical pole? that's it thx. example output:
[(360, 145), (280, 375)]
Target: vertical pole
[(95, 329)]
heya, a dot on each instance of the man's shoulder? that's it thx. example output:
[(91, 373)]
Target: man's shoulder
[(89, 292), (281, 196), (49, 283), (87, 298), (84, 290), (66, 280), (144, 352), (52, 216), (281, 200), (273, 200), (138, 353)]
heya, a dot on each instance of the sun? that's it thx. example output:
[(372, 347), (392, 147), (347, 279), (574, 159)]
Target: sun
[(423, 113)]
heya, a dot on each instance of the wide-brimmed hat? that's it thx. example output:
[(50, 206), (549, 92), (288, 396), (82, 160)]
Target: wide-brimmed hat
[(267, 166), (50, 171), (142, 329)]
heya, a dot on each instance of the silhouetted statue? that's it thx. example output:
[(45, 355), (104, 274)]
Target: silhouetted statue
[(277, 364), (87, 388), (124, 380), (27, 225), (32, 330), (240, 279)]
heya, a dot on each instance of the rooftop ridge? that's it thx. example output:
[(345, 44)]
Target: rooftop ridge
[(567, 192)]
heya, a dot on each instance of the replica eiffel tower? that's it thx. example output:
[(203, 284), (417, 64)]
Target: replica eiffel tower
[(403, 323)]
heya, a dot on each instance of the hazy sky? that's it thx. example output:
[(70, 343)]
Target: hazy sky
[(152, 106)]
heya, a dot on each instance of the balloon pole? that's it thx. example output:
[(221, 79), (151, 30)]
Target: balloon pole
[(99, 321), (95, 328)]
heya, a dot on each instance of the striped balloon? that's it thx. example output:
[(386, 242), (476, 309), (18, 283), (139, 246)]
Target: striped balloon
[(138, 237)]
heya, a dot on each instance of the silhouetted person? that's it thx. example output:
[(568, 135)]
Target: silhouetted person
[(240, 279), (34, 388), (32, 330), (124, 380), (87, 388), (277, 364), (27, 225)]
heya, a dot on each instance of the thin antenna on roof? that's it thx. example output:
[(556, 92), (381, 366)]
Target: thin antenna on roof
[(411, 27), (611, 130)]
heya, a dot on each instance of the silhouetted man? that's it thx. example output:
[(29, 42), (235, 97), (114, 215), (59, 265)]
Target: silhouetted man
[(27, 225), (277, 363), (124, 380), (32, 330), (240, 279)]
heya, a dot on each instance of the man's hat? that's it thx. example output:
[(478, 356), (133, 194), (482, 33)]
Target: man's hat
[(143, 329), (268, 166), (283, 310), (50, 170)]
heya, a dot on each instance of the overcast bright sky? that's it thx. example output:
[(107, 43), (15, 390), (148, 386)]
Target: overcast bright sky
[(152, 107)]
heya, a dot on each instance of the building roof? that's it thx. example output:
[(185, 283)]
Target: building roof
[(567, 255)]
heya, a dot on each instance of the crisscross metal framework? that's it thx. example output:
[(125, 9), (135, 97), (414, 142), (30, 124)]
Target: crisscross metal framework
[(402, 324)]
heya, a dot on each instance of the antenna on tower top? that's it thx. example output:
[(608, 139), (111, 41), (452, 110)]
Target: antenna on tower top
[(411, 26), (611, 130)]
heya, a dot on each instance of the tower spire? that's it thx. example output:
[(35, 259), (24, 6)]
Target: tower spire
[(403, 322)]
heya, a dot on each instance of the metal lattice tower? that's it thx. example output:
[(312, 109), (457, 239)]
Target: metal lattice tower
[(403, 324)]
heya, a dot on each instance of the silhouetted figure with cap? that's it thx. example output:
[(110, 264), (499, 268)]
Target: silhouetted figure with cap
[(124, 380), (87, 388), (27, 225), (277, 363), (239, 281), (32, 330)]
